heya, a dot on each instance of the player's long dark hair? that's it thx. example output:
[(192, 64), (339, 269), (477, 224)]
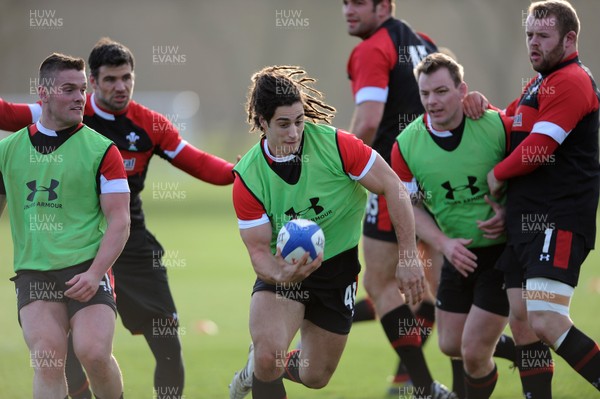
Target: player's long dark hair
[(283, 85)]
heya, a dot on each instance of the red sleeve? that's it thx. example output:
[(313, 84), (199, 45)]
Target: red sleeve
[(112, 165), (399, 164), (564, 99), (528, 156), (112, 177), (371, 62), (512, 108), (246, 206), (355, 154), (13, 116), (204, 166), (186, 157)]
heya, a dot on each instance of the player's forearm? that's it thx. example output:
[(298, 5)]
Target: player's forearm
[(112, 244), (401, 215), (426, 228), (265, 266)]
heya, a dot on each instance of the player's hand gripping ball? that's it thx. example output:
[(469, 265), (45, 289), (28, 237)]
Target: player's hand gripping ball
[(299, 236)]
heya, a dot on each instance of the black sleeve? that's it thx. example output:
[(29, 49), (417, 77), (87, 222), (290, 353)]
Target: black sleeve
[(2, 188)]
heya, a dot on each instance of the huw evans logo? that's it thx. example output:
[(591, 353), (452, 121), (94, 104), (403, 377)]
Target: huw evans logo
[(39, 190)]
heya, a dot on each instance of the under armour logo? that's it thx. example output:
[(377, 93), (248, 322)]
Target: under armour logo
[(32, 185), (471, 186), (314, 205), (545, 257), (132, 138)]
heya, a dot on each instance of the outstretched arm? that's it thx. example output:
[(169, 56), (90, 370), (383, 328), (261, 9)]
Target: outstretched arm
[(204, 166), (14, 117)]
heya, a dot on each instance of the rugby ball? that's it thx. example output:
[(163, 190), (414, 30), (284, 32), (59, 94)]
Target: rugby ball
[(299, 236)]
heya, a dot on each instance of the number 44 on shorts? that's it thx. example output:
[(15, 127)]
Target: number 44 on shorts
[(350, 296)]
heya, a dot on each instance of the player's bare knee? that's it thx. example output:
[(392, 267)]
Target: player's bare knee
[(521, 332), (473, 356), (543, 325), (448, 346), (267, 366), (317, 380), (95, 359)]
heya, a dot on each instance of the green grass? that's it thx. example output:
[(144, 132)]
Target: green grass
[(211, 278)]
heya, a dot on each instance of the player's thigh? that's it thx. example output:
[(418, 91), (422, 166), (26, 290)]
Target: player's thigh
[(381, 258), (93, 328), (321, 353), (274, 320), (45, 326), (450, 331), (482, 330)]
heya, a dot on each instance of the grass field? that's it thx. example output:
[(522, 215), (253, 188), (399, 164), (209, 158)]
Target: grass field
[(211, 278)]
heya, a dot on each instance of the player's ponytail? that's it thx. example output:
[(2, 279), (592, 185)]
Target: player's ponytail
[(283, 85)]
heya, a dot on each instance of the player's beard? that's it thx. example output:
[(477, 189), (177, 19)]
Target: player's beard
[(551, 59)]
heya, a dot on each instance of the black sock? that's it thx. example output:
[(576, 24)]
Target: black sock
[(403, 332), (505, 348), (581, 352), (458, 378), (77, 381), (535, 368), (364, 310), (401, 373), (268, 390), (163, 339), (481, 388), (292, 366), (425, 315)]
